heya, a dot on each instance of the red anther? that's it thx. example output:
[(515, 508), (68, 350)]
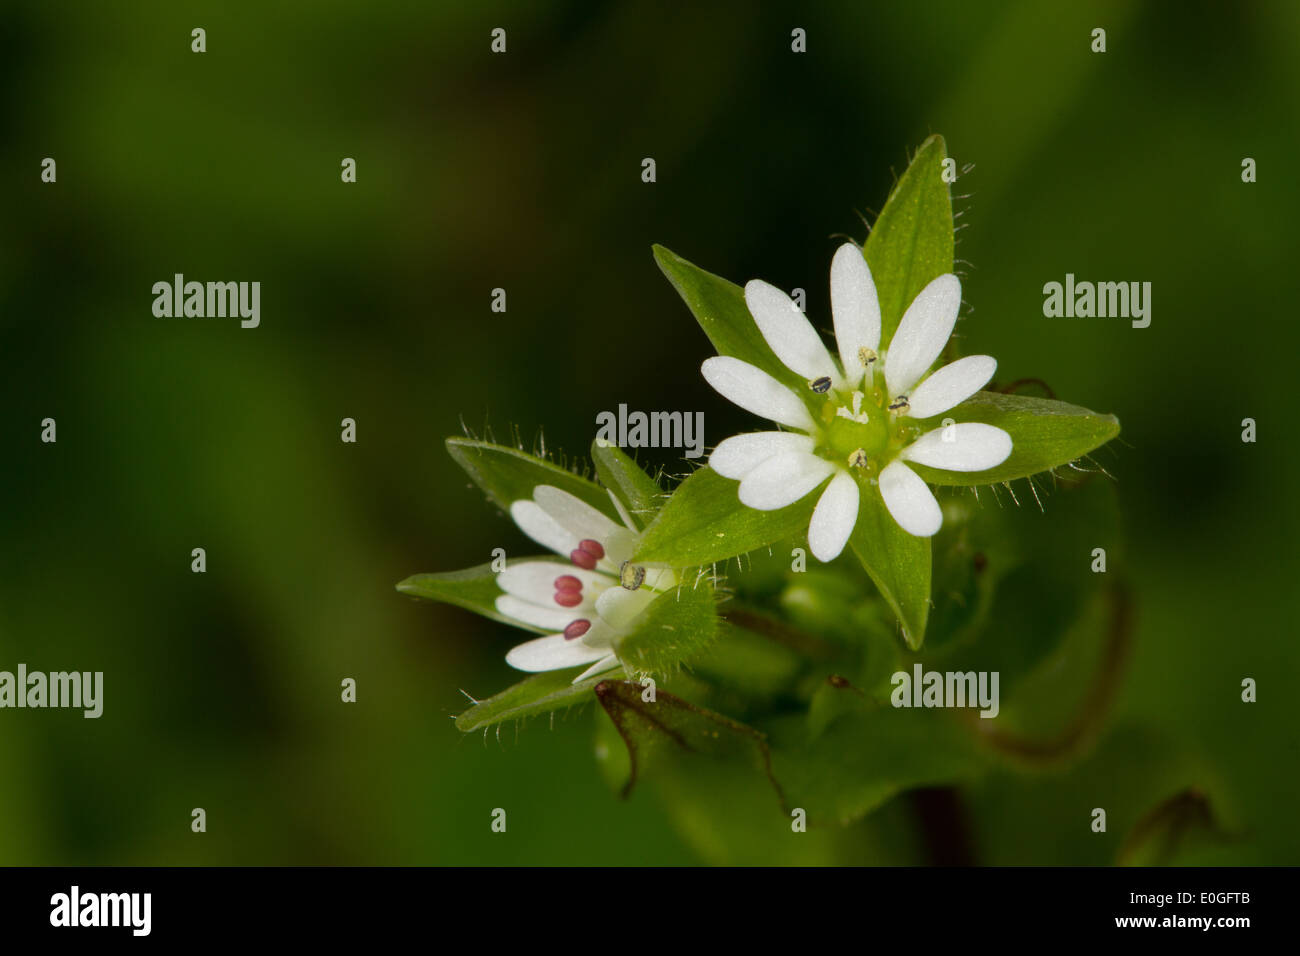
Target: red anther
[(593, 548), (567, 582), (583, 559), (576, 629), (568, 598)]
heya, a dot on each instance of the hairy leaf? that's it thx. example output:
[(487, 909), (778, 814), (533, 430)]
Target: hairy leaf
[(1045, 434), (911, 242), (704, 522), (635, 490), (508, 475), (538, 694)]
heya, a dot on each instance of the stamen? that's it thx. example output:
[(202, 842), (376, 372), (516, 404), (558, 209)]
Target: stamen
[(631, 576), (583, 559), (866, 356), (568, 598), (567, 582), (820, 385), (899, 404), (858, 459), (576, 629), (593, 548)]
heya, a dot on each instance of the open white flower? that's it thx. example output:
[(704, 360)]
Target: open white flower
[(865, 428), (590, 604)]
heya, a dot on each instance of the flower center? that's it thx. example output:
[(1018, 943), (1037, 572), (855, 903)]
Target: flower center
[(864, 430), (855, 428)]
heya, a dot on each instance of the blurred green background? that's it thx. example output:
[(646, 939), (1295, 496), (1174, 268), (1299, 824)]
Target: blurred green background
[(522, 171)]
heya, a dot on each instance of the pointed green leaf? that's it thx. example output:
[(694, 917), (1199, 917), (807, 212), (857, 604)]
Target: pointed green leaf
[(677, 626), (635, 490), (898, 563), (1045, 434), (911, 242), (474, 589), (539, 694), (508, 475), (719, 307), (704, 522)]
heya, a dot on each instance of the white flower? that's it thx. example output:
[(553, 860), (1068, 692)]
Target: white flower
[(589, 605), (865, 430)]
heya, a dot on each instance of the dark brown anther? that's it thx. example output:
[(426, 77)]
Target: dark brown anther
[(631, 576)]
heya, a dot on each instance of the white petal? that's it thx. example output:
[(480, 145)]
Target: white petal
[(922, 333), (787, 330), (967, 446), (622, 512), (856, 309), (549, 617), (755, 391), (660, 579), (534, 581), (619, 608), (553, 653), (574, 515), (909, 500), (783, 479), (738, 455), (951, 385), (618, 548), (834, 517), (542, 528), (602, 665)]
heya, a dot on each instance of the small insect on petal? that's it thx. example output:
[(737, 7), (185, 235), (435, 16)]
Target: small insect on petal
[(820, 385), (631, 576), (576, 629)]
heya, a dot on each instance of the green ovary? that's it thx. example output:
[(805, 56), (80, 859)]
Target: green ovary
[(844, 436), (879, 438)]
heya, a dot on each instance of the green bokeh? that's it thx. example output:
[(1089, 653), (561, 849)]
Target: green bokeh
[(523, 171)]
